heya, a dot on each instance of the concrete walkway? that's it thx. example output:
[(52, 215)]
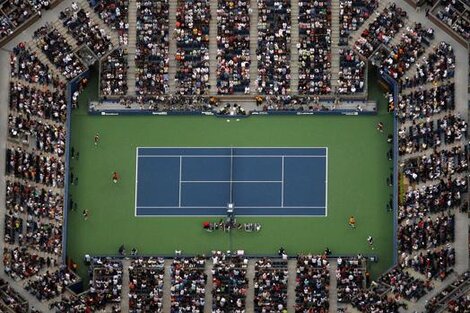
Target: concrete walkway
[(291, 284), (333, 292)]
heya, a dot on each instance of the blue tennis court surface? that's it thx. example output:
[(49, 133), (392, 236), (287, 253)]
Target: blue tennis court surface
[(258, 181)]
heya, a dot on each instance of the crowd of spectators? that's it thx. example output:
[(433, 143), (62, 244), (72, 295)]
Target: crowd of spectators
[(13, 227), (11, 300), (412, 45), (437, 263), (106, 282), (233, 46), (352, 72), (350, 278), (43, 237), (188, 282), (352, 14), (314, 47), (426, 233), (431, 134), (229, 283), (437, 66), (270, 284), (84, 30), (312, 284), (50, 284), (47, 137), (146, 284), (192, 47), (19, 264), (113, 73), (33, 102), (14, 13), (58, 51), (88, 302), (25, 65), (424, 103), (23, 198), (274, 46), (152, 47), (381, 31), (435, 198), (404, 284), (437, 165), (453, 296), (46, 170), (371, 300), (115, 14), (451, 13)]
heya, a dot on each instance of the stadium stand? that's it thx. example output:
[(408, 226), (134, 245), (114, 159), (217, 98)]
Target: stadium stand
[(432, 135)]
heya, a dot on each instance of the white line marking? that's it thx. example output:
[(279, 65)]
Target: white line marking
[(224, 207), (179, 185), (282, 181), (231, 181), (227, 156), (306, 148), (326, 183), (225, 215), (136, 178)]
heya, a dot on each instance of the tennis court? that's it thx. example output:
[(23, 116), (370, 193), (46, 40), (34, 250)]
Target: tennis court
[(257, 181)]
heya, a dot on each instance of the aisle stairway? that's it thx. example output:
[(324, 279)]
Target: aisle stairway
[(250, 293), (172, 49), (294, 52), (166, 301), (213, 49), (253, 46), (291, 284), (125, 286), (209, 286), (131, 46), (333, 293), (335, 67)]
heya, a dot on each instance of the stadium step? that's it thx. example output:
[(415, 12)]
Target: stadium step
[(166, 297), (334, 45), (461, 242), (253, 46), (64, 31), (209, 286), (250, 293), (113, 35), (125, 285), (333, 292), (42, 57), (172, 48), (131, 49), (429, 50), (354, 36), (213, 49), (294, 52), (442, 147), (291, 284)]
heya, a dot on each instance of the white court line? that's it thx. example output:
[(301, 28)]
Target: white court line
[(236, 207), (326, 183), (282, 186), (179, 185), (227, 156), (231, 181), (136, 177), (306, 148)]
